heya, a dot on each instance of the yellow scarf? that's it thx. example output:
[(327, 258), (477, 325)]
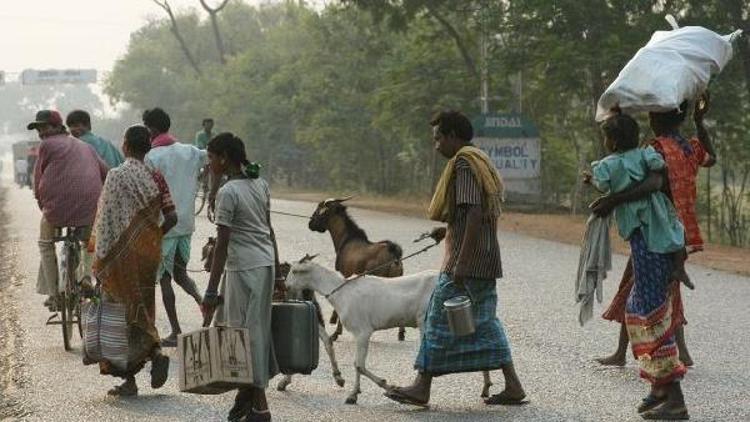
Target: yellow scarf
[(443, 201)]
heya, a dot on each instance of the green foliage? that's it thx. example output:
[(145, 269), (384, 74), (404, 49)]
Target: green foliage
[(340, 98)]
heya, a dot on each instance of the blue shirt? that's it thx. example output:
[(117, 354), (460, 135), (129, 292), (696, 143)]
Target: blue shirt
[(106, 151), (180, 165), (654, 215)]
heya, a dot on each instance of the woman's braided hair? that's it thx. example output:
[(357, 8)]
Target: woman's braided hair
[(231, 146)]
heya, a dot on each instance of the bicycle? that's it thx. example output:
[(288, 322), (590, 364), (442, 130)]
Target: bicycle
[(69, 299), (203, 190)]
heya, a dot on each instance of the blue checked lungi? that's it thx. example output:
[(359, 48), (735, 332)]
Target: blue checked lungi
[(441, 352), (170, 246)]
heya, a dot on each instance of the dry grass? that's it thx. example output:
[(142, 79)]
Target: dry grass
[(557, 227)]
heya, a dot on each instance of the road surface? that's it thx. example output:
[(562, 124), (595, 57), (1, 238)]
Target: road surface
[(553, 355)]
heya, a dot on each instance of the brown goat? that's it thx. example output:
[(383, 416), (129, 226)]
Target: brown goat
[(355, 253)]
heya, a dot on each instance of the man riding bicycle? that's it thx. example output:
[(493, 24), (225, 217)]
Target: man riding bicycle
[(68, 180)]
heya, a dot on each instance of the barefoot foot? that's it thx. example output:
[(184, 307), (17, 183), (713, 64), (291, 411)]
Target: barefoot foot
[(126, 389), (170, 340), (613, 360)]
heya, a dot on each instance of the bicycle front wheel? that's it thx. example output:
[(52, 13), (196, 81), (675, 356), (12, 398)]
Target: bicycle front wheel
[(69, 309), (66, 318)]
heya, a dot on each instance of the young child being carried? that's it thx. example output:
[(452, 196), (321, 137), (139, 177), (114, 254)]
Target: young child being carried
[(654, 215)]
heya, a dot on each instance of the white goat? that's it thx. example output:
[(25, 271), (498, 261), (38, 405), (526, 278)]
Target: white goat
[(369, 304)]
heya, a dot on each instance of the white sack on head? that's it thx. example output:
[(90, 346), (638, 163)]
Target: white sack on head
[(674, 66)]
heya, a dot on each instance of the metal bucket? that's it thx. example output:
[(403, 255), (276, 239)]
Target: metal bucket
[(460, 319)]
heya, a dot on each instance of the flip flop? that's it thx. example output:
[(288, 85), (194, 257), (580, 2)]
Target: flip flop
[(255, 416), (504, 400), (659, 413), (168, 341), (241, 406), (398, 396), (650, 402), (159, 371), (119, 391)]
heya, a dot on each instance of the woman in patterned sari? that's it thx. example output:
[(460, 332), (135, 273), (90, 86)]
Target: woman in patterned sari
[(127, 241), (648, 300)]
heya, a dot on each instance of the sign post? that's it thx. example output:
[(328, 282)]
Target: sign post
[(512, 143), (58, 76)]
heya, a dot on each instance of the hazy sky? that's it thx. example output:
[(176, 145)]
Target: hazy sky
[(42, 34)]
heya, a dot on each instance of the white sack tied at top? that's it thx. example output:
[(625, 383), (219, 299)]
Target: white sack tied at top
[(674, 66)]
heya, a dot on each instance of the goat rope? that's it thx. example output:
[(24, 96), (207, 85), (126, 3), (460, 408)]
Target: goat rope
[(372, 270), (306, 217), (272, 212)]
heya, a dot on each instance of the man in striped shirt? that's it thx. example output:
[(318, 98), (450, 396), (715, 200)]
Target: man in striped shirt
[(468, 199)]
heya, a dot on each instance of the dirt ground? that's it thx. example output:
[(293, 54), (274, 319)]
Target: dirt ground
[(12, 375), (558, 227)]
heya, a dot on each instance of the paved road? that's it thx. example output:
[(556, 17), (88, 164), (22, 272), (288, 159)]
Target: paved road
[(552, 353)]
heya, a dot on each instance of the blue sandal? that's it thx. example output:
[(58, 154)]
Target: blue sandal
[(649, 402)]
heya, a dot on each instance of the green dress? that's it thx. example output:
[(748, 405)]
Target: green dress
[(654, 215)]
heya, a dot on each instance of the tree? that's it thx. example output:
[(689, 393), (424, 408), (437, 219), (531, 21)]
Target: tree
[(212, 13), (174, 27)]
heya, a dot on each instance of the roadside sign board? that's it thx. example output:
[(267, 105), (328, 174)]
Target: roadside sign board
[(512, 143), (58, 76)]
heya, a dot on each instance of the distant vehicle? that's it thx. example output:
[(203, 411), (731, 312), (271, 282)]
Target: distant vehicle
[(24, 158)]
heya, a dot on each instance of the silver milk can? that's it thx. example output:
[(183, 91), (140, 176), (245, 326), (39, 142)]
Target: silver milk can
[(460, 319)]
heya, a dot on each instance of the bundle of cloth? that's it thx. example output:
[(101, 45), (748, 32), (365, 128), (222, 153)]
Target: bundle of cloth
[(593, 264), (674, 66)]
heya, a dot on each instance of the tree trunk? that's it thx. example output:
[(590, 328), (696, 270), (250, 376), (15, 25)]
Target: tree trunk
[(164, 4), (734, 9), (468, 61), (213, 15)]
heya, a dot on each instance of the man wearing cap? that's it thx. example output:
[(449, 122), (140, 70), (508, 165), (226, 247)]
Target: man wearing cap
[(68, 178)]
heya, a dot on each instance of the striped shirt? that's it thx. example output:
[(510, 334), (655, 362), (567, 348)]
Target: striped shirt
[(485, 262)]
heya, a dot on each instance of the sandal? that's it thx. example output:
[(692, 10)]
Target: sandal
[(51, 303), (257, 416), (397, 395), (122, 391), (170, 341), (650, 402), (503, 399), (159, 370), (660, 413), (241, 406)]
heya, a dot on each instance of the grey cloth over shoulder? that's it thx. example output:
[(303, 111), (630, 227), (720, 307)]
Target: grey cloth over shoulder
[(593, 264)]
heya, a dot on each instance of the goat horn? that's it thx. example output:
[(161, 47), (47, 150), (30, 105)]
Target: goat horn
[(346, 198), (330, 200), (307, 258)]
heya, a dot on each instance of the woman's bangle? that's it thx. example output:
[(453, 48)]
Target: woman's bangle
[(211, 294)]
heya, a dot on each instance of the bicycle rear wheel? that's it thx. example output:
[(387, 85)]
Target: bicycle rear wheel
[(77, 313), (200, 202)]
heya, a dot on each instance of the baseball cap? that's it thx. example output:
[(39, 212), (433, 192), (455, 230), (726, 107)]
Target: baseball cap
[(46, 117)]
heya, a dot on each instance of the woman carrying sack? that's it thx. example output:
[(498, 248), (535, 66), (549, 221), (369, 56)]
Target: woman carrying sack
[(247, 256), (127, 243)]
